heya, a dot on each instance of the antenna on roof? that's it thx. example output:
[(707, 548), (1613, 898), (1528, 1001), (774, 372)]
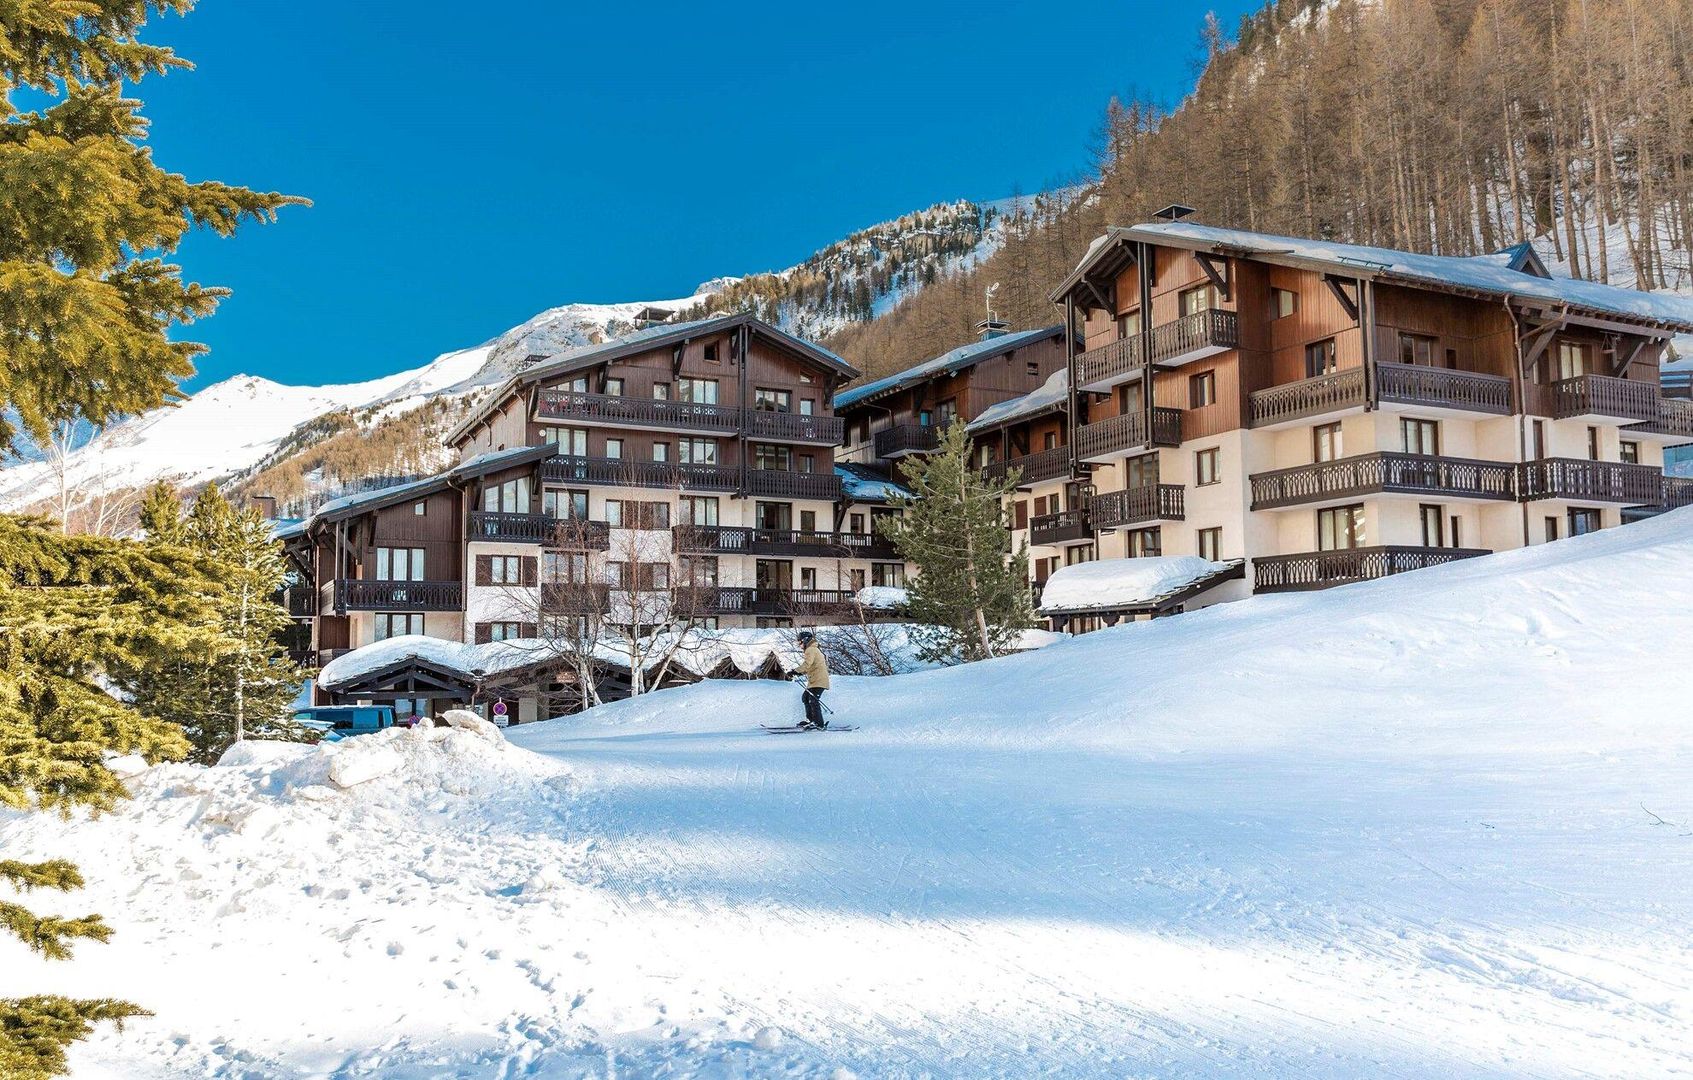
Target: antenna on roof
[(992, 327), (1174, 212)]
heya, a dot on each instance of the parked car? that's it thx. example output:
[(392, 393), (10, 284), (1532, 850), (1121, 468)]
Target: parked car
[(341, 721)]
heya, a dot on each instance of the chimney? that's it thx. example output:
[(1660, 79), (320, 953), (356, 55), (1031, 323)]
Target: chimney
[(992, 328), (264, 504), (1174, 212), (652, 316)]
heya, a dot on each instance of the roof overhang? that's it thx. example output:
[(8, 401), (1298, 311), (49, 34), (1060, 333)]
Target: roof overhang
[(1158, 605), (1110, 255), (914, 375)]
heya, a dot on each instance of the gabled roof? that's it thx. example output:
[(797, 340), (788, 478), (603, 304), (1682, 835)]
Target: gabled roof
[(945, 364), (653, 337), (1050, 396), (1511, 273), (365, 501)]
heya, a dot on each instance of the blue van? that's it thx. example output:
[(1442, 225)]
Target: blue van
[(341, 721)]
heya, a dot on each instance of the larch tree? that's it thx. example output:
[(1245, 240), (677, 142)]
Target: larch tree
[(87, 303), (970, 593)]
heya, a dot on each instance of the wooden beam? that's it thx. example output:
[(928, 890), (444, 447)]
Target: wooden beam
[(1100, 302), (1337, 286), (1219, 277), (1537, 340), (1623, 364)]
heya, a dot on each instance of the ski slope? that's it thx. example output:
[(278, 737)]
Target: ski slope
[(1439, 825)]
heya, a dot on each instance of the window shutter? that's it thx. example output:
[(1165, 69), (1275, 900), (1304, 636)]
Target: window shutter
[(529, 575), (484, 570), (484, 632), (526, 630), (1022, 514)]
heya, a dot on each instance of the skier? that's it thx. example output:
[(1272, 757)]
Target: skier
[(816, 672)]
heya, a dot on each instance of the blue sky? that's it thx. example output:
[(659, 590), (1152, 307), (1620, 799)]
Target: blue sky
[(472, 166)]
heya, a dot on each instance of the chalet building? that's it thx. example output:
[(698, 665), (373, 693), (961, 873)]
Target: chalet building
[(1328, 413), (681, 475), (893, 418)]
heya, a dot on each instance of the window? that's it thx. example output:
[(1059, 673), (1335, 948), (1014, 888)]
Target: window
[(511, 497), (614, 448), (661, 451), (572, 442), (1202, 389), (807, 463), (1420, 436), (1327, 443), (1207, 467), (855, 524), (807, 406), (1433, 518), (777, 516), (769, 400), (946, 412), (805, 378), (890, 574), (564, 567), (631, 514), (697, 570), (1283, 302), (1551, 528), (857, 580), (1539, 439), (1628, 452), (419, 508), (1416, 349), (499, 631), (572, 505), (698, 510), (1456, 534), (1320, 358), (698, 451), (655, 576), (614, 387), (617, 575), (1340, 528), (399, 564), (1032, 369), (711, 353), (1195, 300), (808, 521), (499, 570), (1128, 324), (1583, 522), (578, 385), (661, 391), (698, 391), (398, 624), (1049, 440), (773, 457), (1592, 444), (1572, 359), (1144, 543), (1211, 544), (808, 577), (1140, 472)]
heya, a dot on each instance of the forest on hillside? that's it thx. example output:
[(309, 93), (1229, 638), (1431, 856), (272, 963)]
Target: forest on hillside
[(1447, 126)]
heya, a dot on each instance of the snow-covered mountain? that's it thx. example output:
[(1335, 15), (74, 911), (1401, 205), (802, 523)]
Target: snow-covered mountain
[(232, 430)]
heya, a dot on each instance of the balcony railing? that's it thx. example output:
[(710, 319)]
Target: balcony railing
[(1322, 569), (1598, 396), (364, 595), (1112, 363), (538, 529), (1064, 527), (902, 439), (1120, 436), (1384, 473), (619, 411), (664, 474), (301, 601), (728, 600), (1190, 337), (1137, 506), (794, 485), (1674, 420), (1589, 481), (737, 540), (1471, 391), (1309, 397), (1034, 468)]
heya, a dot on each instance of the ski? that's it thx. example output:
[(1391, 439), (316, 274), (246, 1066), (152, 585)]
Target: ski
[(794, 729)]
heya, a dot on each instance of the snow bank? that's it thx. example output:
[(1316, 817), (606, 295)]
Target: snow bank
[(1116, 583), (883, 597)]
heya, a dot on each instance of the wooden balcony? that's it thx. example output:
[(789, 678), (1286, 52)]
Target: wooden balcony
[(1674, 423), (1037, 468), (1580, 480), (301, 600), (1063, 529), (785, 603), (795, 485), (1110, 364), (1384, 474), (1595, 397), (613, 410), (1323, 569), (1295, 401), (902, 440), (1137, 506), (1443, 389), (1195, 336), (612, 472), (364, 595), (568, 534), (736, 540), (1126, 435), (1677, 492)]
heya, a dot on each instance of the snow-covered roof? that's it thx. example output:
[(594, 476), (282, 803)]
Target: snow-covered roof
[(365, 500), (495, 459), (956, 360), (1051, 394), (865, 484), (1124, 584), (1479, 273)]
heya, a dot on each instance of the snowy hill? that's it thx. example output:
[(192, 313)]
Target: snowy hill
[(1431, 826)]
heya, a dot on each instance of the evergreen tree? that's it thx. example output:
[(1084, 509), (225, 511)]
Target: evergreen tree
[(161, 513), (968, 589), (240, 684), (73, 610)]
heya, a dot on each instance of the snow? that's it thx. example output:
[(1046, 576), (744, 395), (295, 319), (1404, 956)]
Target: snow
[(863, 484), (953, 360), (1053, 392), (1118, 583), (883, 596)]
